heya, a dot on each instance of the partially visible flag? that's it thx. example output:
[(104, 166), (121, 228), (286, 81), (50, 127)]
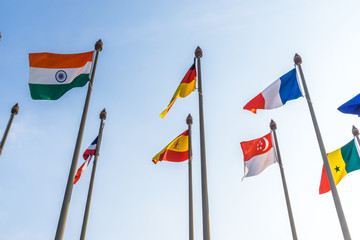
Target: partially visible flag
[(352, 106), (176, 151), (88, 154), (187, 85), (258, 155), (52, 75), (277, 94), (342, 162)]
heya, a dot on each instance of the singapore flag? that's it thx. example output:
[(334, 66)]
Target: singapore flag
[(258, 155)]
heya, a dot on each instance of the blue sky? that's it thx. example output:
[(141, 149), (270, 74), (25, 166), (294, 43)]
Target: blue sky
[(148, 47)]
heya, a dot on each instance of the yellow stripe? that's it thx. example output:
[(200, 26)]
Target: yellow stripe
[(182, 91), (337, 165), (179, 144)]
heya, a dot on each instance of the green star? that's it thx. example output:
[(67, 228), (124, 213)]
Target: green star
[(337, 169)]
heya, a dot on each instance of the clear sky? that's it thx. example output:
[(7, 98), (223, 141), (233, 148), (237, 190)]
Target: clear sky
[(148, 47)]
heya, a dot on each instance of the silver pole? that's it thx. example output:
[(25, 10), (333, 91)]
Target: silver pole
[(14, 111), (273, 128), (103, 115), (339, 210), (204, 187), (189, 122), (67, 196)]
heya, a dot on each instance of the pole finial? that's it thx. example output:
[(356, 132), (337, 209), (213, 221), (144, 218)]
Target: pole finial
[(355, 131), (189, 120), (297, 59), (198, 52), (99, 45), (15, 109), (273, 125), (103, 114)]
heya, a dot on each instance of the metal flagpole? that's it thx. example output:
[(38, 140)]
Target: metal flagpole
[(204, 187), (341, 216), (273, 128), (67, 196), (189, 122), (103, 115), (14, 111)]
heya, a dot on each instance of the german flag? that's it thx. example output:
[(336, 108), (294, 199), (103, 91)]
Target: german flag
[(176, 151), (187, 85)]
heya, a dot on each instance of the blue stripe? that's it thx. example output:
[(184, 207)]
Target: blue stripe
[(289, 87)]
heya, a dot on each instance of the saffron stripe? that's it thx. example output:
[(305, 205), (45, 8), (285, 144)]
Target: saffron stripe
[(54, 60)]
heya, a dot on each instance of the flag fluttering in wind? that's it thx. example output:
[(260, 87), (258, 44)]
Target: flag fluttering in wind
[(342, 161), (52, 75), (277, 94), (258, 155), (176, 151), (187, 85), (352, 106), (88, 154)]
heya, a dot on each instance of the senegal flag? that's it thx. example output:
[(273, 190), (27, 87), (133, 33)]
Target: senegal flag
[(176, 151), (187, 85), (342, 162), (52, 75)]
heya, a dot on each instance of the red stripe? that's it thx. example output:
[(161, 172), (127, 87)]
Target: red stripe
[(173, 156), (190, 75), (88, 152), (256, 147), (257, 102), (324, 183)]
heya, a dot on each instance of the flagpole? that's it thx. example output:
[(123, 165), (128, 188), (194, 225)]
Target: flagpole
[(67, 196), (273, 128), (341, 216), (204, 187), (189, 122), (14, 111), (103, 115)]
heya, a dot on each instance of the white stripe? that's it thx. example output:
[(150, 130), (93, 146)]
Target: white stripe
[(257, 164), (272, 95), (47, 75)]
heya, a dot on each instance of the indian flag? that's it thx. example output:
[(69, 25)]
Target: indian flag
[(52, 75)]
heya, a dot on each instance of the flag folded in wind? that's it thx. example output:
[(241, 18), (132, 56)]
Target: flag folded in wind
[(258, 155), (277, 94), (88, 154), (342, 161), (352, 106), (176, 151), (52, 75), (187, 85)]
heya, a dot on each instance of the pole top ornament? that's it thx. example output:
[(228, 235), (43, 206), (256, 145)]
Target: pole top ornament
[(297, 59), (99, 45), (189, 120), (103, 114), (15, 109), (273, 125), (198, 52)]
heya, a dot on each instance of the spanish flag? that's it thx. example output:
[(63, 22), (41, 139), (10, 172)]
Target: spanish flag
[(176, 151), (342, 161), (52, 75), (187, 85)]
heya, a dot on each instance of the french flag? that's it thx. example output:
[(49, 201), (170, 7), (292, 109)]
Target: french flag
[(89, 152), (277, 94)]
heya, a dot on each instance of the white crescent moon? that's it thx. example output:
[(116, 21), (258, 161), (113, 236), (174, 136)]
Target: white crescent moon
[(266, 144)]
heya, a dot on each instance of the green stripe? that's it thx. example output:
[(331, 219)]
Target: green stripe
[(351, 156), (54, 92)]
